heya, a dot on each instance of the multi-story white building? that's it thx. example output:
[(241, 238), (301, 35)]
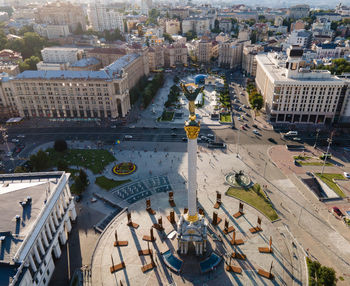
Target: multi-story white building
[(293, 94), (52, 31), (199, 25), (156, 57), (104, 17), (36, 214), (328, 50), (301, 38), (61, 55)]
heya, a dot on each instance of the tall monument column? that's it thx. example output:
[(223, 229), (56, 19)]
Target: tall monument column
[(192, 228)]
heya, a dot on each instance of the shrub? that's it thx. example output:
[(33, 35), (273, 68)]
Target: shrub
[(60, 145)]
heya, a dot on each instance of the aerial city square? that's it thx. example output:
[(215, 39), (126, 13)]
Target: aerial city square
[(187, 142)]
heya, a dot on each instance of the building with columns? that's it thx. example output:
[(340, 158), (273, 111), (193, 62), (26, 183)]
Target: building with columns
[(37, 211), (75, 93), (295, 94)]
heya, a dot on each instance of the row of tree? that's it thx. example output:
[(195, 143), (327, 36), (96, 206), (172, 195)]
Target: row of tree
[(152, 89), (337, 67), (173, 96), (256, 100)]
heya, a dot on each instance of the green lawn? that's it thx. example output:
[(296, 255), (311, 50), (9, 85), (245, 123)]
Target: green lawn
[(94, 159), (225, 118), (329, 180), (109, 184), (308, 161), (167, 116), (252, 198)]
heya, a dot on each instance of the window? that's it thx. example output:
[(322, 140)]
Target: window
[(48, 271)]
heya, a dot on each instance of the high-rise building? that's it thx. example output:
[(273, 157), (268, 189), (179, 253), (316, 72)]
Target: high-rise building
[(105, 17), (230, 54), (294, 94)]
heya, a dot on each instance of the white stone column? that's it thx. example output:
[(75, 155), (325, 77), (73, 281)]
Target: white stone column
[(67, 190), (58, 209), (55, 218), (32, 263), (57, 250), (46, 242), (68, 224), (192, 176), (36, 253), (41, 247), (63, 237), (73, 213), (48, 229), (64, 201)]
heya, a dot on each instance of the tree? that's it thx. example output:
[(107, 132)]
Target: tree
[(253, 37), (79, 30), (25, 29), (33, 44), (257, 101), (78, 186), (62, 165), (60, 145), (83, 177), (16, 45), (39, 161), (152, 16), (3, 39), (168, 37), (320, 275), (190, 35), (29, 64)]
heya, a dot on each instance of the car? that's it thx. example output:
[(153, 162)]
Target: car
[(246, 125), (93, 200), (14, 140), (127, 137), (346, 175), (173, 134), (256, 132), (337, 211), (240, 108), (174, 128), (114, 126), (132, 126), (240, 119), (242, 127), (255, 126), (21, 136), (77, 198), (296, 139), (210, 136), (184, 139)]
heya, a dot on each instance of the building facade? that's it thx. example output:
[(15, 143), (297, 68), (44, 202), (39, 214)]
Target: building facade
[(200, 25), (298, 11), (249, 60), (295, 95), (156, 57), (172, 27), (230, 54), (175, 54), (31, 260), (73, 93), (301, 38), (52, 31), (104, 17), (106, 55), (61, 55), (61, 13)]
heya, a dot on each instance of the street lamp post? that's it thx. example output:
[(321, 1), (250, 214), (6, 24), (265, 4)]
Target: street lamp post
[(237, 145), (317, 132), (329, 140)]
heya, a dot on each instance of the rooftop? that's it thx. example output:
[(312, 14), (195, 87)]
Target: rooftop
[(22, 198), (85, 62), (108, 73), (277, 72)]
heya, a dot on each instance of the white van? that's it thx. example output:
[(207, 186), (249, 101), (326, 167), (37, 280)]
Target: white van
[(292, 133)]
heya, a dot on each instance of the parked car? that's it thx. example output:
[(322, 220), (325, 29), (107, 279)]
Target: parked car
[(114, 126), (210, 136), (346, 175), (337, 211), (184, 139), (296, 139), (21, 136), (173, 134), (14, 140), (256, 132), (255, 126), (127, 137), (242, 127)]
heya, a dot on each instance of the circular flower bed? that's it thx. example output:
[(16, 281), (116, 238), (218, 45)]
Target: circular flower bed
[(124, 168)]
